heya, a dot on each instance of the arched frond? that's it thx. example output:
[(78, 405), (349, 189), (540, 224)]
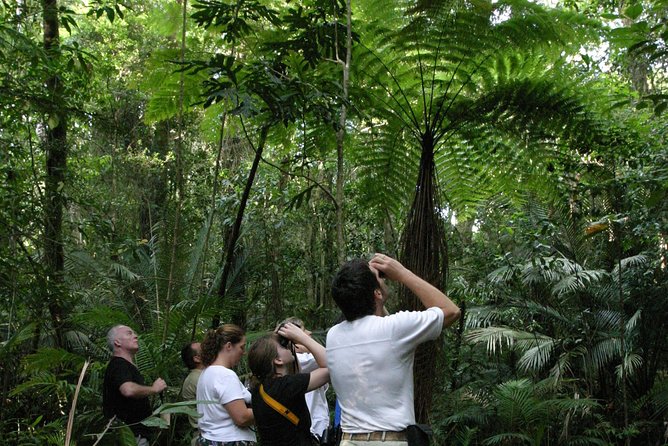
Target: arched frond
[(630, 365), (578, 280), (632, 323), (495, 338), (607, 320), (538, 356), (483, 316), (474, 88), (632, 262), (602, 354), (532, 308), (580, 440), (503, 274), (508, 438)]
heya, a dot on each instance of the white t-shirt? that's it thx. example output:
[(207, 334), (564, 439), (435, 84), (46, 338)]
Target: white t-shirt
[(370, 363), (222, 385), (316, 400)]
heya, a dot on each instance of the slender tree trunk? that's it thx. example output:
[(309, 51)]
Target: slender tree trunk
[(179, 148), (340, 139), (236, 229), (56, 149)]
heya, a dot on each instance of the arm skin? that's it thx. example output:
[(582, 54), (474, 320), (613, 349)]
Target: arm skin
[(130, 389), (429, 295), (319, 377), (241, 414)]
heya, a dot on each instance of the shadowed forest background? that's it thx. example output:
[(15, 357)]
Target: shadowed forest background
[(173, 166)]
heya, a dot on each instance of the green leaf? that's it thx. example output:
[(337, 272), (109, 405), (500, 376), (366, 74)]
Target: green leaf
[(155, 422), (633, 11)]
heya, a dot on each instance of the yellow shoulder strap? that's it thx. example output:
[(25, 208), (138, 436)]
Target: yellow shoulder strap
[(278, 407)]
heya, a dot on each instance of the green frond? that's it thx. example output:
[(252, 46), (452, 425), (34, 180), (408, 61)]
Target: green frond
[(503, 274), (578, 281), (483, 316), (659, 398), (496, 338), (47, 359), (632, 323), (540, 271), (608, 320), (509, 438), (25, 333), (39, 381), (163, 82), (602, 354), (581, 406), (122, 273), (471, 414), (538, 356), (632, 262), (578, 440), (629, 366), (532, 308), (563, 365)]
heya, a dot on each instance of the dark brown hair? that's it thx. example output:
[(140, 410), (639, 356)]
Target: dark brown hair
[(261, 358), (215, 340)]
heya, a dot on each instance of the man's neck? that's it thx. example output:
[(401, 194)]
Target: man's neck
[(130, 357)]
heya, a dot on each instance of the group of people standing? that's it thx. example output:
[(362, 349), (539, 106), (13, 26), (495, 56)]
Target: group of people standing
[(368, 359)]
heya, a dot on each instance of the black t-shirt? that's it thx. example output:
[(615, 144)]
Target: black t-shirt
[(273, 428), (128, 410)]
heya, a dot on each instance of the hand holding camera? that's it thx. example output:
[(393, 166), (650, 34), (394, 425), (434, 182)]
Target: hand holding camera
[(290, 334), (387, 267)]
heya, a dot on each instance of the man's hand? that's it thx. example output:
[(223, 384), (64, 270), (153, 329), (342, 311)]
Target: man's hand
[(428, 294), (292, 332), (389, 267), (159, 385), (131, 389)]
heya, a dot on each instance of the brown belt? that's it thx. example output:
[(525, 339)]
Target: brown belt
[(376, 436)]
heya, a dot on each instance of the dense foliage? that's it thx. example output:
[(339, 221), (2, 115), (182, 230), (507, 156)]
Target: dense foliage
[(172, 166)]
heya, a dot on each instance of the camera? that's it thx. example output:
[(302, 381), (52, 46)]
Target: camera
[(282, 341)]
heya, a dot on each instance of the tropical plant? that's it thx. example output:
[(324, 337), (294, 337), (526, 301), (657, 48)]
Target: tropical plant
[(457, 97)]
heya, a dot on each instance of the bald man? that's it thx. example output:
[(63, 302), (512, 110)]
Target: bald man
[(124, 393)]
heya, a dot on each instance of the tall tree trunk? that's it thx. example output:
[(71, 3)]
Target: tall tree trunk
[(236, 229), (423, 251), (56, 149), (173, 286), (340, 137)]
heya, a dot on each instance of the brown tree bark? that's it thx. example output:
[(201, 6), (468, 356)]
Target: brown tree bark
[(233, 238), (55, 145), (423, 251)]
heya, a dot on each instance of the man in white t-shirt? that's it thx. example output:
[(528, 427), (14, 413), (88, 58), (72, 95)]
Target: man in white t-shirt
[(370, 357)]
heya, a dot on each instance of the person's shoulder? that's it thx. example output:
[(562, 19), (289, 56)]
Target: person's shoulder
[(193, 375), (116, 362), (406, 314)]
